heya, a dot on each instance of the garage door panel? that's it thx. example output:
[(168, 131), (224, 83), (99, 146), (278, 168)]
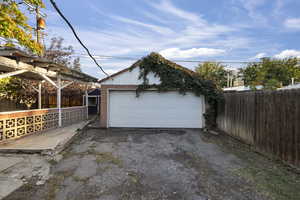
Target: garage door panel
[(152, 109)]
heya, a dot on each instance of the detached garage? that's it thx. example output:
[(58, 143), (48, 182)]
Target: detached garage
[(140, 97)]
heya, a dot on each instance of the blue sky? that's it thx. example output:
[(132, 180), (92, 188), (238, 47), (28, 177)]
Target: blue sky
[(239, 30)]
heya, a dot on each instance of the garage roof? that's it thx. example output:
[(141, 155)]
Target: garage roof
[(153, 54)]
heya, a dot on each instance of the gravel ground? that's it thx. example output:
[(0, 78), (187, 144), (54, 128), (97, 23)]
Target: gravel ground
[(145, 164)]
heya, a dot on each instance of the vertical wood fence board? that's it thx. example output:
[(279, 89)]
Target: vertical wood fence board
[(268, 120)]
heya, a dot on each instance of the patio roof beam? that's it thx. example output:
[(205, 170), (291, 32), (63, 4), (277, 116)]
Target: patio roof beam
[(24, 66), (49, 80), (19, 65), (66, 85), (9, 74), (35, 89)]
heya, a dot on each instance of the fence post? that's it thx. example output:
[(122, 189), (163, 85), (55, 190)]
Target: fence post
[(59, 100), (255, 119), (87, 103), (40, 95)]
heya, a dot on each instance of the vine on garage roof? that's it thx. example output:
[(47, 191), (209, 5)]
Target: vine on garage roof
[(176, 77)]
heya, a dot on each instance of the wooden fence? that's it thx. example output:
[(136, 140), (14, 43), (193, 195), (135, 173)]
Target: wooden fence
[(267, 120), (48, 101)]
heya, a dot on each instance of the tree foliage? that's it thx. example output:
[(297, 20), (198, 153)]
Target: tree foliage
[(58, 53), (61, 54), (14, 25), (76, 64), (21, 90), (271, 73), (18, 90), (214, 72), (173, 76)]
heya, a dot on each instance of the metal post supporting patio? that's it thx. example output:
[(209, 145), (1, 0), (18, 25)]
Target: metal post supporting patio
[(87, 103), (59, 100), (40, 95)]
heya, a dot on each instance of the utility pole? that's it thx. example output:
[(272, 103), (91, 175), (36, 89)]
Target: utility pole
[(40, 22), (38, 33)]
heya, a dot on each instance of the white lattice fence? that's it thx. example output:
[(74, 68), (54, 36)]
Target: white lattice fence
[(17, 124), (72, 115)]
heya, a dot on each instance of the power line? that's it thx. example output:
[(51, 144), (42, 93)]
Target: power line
[(186, 61), (76, 36)]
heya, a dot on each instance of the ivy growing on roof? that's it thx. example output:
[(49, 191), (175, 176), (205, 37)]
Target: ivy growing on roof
[(176, 77)]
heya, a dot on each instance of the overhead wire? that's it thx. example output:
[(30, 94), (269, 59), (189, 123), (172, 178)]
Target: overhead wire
[(130, 58), (76, 36), (174, 60)]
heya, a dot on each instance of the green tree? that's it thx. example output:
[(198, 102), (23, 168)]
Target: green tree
[(14, 25), (251, 74), (9, 87), (18, 90), (213, 71), (272, 73)]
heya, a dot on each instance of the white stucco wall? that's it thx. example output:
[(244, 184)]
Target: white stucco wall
[(131, 78)]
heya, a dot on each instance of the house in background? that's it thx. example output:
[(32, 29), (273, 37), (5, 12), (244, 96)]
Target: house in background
[(120, 106), (93, 101)]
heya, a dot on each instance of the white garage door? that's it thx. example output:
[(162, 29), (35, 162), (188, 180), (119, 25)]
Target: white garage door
[(155, 110)]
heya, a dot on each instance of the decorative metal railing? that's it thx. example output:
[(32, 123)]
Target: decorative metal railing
[(17, 124)]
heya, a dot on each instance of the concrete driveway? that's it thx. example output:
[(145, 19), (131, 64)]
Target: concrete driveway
[(137, 164)]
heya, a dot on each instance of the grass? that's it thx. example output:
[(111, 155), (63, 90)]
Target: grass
[(80, 179), (56, 182), (270, 177), (107, 157), (52, 162), (273, 181)]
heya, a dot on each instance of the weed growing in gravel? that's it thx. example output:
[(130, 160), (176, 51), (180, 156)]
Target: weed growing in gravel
[(55, 182), (271, 178), (80, 179), (107, 157), (275, 183)]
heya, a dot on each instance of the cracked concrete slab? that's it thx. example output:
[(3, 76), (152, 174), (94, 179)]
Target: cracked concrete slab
[(18, 169), (7, 162), (8, 185), (52, 140)]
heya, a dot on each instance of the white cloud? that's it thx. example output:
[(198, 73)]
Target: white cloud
[(190, 53), (251, 6), (279, 4), (173, 31), (155, 17), (258, 56), (288, 53), (292, 23), (167, 6), (155, 28)]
